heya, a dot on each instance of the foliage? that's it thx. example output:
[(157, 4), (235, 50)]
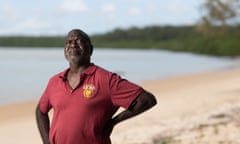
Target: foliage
[(181, 38), (218, 13), (28, 41)]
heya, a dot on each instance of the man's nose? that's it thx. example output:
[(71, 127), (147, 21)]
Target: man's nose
[(73, 44)]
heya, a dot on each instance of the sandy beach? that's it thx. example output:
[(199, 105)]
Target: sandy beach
[(202, 108)]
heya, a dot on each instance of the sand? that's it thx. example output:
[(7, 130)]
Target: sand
[(198, 108)]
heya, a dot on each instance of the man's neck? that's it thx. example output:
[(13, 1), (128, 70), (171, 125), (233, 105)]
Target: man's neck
[(78, 69)]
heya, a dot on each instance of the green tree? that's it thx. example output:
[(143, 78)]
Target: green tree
[(218, 15)]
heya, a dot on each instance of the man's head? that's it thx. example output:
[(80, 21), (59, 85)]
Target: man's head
[(78, 47)]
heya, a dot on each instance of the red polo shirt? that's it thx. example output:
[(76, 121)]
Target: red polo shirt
[(80, 114)]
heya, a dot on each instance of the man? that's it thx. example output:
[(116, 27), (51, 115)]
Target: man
[(85, 97)]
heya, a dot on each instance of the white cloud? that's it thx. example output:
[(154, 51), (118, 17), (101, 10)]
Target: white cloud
[(32, 24), (32, 18), (7, 8), (73, 6), (134, 11), (109, 10), (177, 7), (151, 8), (28, 26), (8, 11)]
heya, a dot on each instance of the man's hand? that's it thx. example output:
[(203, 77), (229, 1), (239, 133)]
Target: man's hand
[(43, 124), (108, 128)]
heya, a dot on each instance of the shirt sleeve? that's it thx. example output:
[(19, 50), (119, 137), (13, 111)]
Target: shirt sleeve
[(44, 102), (123, 92)]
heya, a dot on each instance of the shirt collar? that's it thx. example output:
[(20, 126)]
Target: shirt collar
[(88, 71)]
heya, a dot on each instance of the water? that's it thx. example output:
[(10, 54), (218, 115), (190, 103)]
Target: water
[(24, 72)]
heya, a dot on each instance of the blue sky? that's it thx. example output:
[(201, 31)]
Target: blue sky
[(53, 17)]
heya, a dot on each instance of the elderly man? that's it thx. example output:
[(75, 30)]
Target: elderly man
[(84, 98)]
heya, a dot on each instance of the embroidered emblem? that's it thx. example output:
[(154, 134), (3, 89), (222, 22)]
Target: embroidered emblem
[(88, 90)]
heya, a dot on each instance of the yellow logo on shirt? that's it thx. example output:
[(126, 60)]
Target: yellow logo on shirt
[(88, 90)]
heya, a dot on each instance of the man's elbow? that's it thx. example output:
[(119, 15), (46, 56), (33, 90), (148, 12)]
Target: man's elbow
[(147, 100), (38, 112), (152, 101)]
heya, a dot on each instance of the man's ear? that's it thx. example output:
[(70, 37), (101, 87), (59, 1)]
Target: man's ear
[(65, 53), (90, 48)]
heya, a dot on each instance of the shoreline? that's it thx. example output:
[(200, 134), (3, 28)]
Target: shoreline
[(182, 100)]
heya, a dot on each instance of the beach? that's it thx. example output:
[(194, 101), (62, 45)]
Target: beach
[(196, 108)]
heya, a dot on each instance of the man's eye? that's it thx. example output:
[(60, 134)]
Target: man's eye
[(78, 41), (69, 41), (75, 41)]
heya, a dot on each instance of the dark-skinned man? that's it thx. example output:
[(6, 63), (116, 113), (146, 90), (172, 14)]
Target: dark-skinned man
[(84, 98)]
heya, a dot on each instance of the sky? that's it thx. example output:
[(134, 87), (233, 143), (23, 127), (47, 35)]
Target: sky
[(57, 17)]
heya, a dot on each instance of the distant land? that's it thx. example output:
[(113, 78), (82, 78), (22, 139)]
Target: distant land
[(173, 38)]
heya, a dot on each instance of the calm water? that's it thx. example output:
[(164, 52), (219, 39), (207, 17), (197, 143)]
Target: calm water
[(25, 72)]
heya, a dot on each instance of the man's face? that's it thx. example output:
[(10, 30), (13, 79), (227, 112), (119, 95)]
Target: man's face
[(75, 50)]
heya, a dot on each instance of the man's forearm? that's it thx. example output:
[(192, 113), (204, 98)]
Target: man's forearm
[(142, 103), (112, 122), (43, 124), (126, 114)]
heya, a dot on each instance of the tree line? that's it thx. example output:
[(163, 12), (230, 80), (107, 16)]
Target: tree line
[(184, 38)]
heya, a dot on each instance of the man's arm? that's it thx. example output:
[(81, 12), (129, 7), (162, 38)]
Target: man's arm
[(43, 124), (142, 103)]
